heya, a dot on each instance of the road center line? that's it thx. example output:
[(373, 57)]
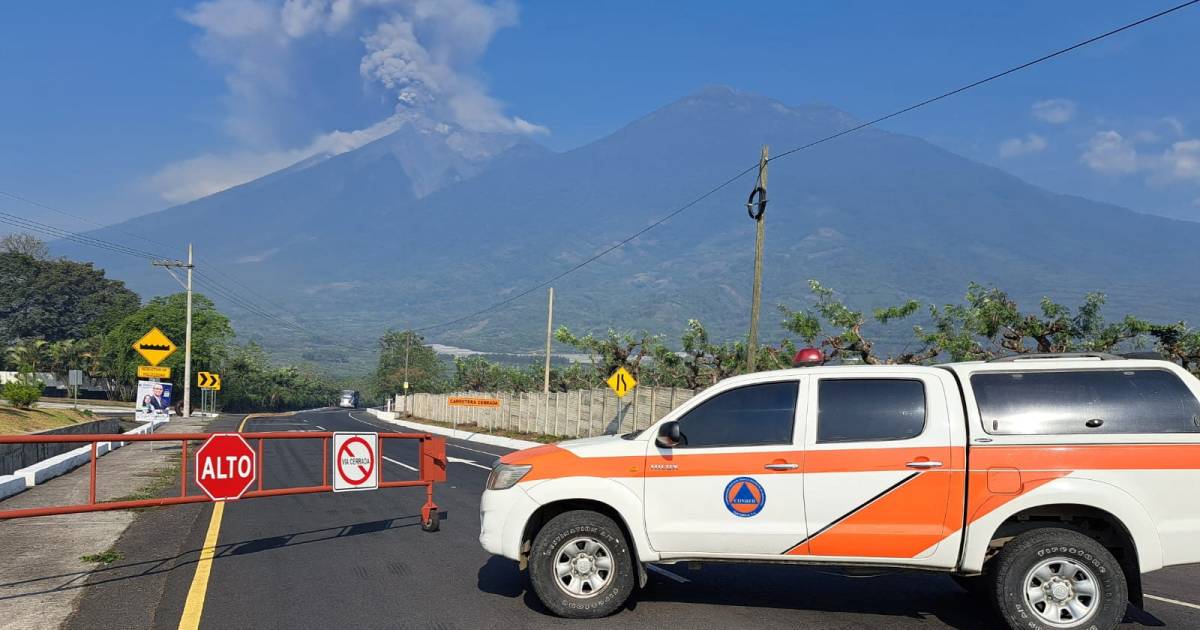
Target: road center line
[(1172, 601), (399, 463), (193, 608)]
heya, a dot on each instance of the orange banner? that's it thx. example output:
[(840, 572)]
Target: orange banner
[(458, 401)]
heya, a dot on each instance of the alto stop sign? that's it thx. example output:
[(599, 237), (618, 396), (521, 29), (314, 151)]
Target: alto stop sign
[(225, 466)]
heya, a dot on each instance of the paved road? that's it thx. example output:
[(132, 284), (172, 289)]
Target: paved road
[(360, 560)]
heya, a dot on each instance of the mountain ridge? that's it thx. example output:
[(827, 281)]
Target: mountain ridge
[(878, 215)]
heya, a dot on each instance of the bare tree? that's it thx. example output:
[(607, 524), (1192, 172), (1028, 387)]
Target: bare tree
[(27, 244)]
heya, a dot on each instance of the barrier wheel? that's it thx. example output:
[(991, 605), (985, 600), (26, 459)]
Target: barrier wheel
[(433, 523), (580, 565)]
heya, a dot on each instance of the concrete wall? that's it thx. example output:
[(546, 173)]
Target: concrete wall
[(579, 413), (16, 456)]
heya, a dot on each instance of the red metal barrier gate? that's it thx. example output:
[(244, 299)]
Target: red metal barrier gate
[(432, 469)]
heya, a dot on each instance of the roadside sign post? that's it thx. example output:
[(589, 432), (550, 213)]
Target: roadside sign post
[(226, 466), (355, 461), (74, 380), (621, 382)]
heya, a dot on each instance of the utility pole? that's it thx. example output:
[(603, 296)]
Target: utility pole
[(549, 328), (407, 345), (187, 341), (757, 210)]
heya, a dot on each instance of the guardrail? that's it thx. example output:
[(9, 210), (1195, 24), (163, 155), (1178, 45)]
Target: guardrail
[(431, 469)]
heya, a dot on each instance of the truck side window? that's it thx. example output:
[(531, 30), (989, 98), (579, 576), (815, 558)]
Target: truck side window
[(870, 409), (1085, 401), (754, 415)]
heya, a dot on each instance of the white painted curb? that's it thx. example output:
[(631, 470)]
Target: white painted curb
[(66, 462), (10, 485), (480, 438)]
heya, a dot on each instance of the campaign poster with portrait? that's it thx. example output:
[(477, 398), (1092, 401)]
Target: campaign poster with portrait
[(153, 401)]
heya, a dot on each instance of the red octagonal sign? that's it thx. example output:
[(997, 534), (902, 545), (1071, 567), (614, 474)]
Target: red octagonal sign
[(225, 466)]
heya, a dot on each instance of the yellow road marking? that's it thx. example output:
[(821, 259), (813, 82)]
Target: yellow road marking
[(194, 607)]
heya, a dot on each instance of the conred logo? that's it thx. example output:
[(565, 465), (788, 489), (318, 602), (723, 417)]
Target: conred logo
[(745, 497)]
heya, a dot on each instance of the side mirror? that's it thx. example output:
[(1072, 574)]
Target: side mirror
[(669, 436)]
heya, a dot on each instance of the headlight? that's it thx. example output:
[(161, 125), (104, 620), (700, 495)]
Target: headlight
[(505, 476)]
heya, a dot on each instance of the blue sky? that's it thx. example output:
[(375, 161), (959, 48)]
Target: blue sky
[(116, 109)]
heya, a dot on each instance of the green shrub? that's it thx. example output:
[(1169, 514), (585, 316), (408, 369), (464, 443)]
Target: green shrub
[(21, 394)]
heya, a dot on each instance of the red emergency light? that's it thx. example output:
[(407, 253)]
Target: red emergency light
[(808, 357)]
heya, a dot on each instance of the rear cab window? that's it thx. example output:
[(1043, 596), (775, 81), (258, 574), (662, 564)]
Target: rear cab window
[(870, 409), (1083, 401)]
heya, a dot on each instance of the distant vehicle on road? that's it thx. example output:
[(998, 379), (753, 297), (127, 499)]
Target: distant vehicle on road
[(1046, 483), (349, 399)]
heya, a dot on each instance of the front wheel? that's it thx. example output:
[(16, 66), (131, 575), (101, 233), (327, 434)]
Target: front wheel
[(1059, 579), (580, 565)]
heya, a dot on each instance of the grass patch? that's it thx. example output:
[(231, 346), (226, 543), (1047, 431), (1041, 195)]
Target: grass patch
[(474, 428), (159, 481), (14, 420), (107, 556)]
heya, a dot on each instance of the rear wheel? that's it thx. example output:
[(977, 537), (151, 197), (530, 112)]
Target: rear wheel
[(580, 565), (1059, 579)]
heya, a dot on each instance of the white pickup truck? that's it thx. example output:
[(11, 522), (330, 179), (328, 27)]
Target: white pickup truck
[(1048, 483)]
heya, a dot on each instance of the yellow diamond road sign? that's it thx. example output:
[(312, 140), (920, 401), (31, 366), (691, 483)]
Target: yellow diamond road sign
[(154, 346), (621, 382)]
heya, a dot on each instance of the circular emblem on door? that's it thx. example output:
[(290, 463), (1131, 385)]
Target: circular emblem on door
[(745, 497)]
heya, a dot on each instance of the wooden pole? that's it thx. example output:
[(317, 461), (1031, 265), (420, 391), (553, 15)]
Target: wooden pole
[(549, 330), (758, 210)]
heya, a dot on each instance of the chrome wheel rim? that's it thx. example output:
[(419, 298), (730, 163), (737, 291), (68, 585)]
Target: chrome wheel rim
[(583, 567), (1063, 593)]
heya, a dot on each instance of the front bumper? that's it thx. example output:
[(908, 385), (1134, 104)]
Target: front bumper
[(502, 518)]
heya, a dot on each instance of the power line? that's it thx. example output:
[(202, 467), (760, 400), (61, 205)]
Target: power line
[(929, 101), (899, 112)]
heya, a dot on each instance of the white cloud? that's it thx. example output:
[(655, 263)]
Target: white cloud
[(1182, 161), (421, 52), (1013, 147), (1055, 111), (1109, 152), (1174, 124), (211, 173)]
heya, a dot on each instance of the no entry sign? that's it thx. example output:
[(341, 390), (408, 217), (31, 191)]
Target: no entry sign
[(225, 466), (355, 461)]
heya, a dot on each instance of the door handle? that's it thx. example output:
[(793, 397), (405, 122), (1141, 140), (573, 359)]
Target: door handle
[(781, 466), (923, 464)]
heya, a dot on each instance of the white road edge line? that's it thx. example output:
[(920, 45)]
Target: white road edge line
[(667, 574), (457, 460), (399, 463), (474, 450), (1171, 601), (319, 427)]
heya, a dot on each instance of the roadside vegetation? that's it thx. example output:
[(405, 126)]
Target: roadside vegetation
[(57, 315), (19, 420), (987, 324), (108, 556)]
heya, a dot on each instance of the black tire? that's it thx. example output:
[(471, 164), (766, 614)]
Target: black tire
[(433, 523), (1014, 563), (549, 543)]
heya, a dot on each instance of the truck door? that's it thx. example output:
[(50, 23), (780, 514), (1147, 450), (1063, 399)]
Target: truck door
[(881, 477), (735, 487)]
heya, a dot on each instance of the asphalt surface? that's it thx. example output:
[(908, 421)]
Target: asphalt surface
[(360, 560)]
